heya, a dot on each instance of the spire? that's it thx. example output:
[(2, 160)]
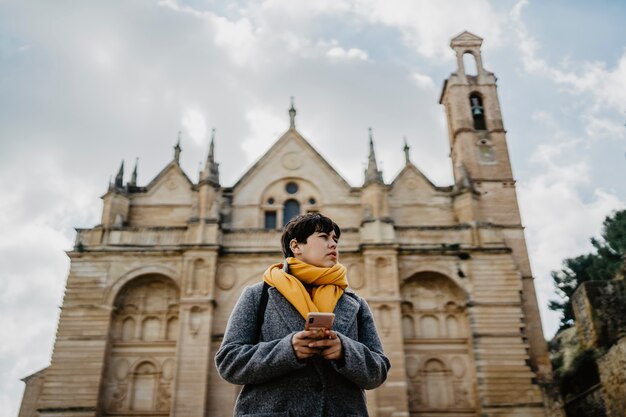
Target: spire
[(292, 115), (133, 178), (119, 178), (177, 149), (407, 159), (211, 168), (372, 174)]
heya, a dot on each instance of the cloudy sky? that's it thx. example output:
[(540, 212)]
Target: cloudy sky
[(85, 85)]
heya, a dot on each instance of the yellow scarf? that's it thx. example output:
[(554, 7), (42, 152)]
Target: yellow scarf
[(328, 285)]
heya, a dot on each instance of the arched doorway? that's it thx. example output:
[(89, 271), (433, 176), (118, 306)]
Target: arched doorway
[(142, 355), (440, 372)]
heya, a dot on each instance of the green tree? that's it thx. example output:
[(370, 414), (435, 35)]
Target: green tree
[(602, 264)]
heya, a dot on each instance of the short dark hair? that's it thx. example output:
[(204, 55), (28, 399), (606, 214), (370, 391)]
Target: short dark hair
[(303, 226)]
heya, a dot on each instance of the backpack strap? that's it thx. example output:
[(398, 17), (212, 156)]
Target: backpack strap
[(260, 314)]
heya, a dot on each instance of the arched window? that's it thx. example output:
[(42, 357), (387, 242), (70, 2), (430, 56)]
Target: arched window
[(478, 112), (291, 210)]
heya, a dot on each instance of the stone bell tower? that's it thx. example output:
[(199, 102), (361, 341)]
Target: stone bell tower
[(480, 158)]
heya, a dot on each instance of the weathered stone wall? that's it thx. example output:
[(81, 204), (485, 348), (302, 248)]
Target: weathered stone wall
[(600, 310), (612, 367)]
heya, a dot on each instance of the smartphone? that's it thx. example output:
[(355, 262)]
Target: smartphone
[(319, 322)]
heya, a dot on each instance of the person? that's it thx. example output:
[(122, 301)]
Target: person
[(283, 370)]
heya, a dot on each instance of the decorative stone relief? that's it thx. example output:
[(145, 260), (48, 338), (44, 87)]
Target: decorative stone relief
[(435, 329), (168, 369), (144, 326), (199, 277), (291, 160), (121, 369), (486, 152), (226, 276), (383, 272), (411, 184), (195, 320), (164, 397), (356, 277), (384, 316)]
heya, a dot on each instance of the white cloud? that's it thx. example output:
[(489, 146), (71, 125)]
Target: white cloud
[(352, 53), (306, 9), (423, 81), (194, 123), (263, 125), (607, 88), (237, 38)]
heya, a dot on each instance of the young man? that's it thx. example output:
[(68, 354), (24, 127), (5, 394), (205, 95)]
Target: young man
[(284, 370)]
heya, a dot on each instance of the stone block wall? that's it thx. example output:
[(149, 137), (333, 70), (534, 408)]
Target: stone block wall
[(612, 367), (600, 310)]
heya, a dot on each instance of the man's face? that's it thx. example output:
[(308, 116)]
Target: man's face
[(319, 250)]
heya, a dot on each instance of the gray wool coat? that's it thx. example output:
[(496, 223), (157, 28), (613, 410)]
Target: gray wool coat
[(277, 384)]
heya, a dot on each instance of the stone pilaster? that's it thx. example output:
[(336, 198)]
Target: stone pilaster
[(194, 338), (383, 296)]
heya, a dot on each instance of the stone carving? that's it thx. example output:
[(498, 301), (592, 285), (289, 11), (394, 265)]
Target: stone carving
[(145, 324), (385, 319), (121, 369), (356, 277), (118, 397), (291, 160), (199, 277), (487, 154), (415, 395), (167, 369), (436, 305), (195, 320), (226, 276), (460, 395), (163, 397)]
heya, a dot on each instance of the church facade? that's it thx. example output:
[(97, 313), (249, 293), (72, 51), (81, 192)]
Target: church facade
[(445, 271)]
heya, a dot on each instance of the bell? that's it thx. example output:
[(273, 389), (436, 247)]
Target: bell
[(477, 111)]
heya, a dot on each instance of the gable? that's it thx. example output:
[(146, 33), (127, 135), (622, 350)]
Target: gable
[(466, 39), (170, 187), (291, 157), (411, 185)]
